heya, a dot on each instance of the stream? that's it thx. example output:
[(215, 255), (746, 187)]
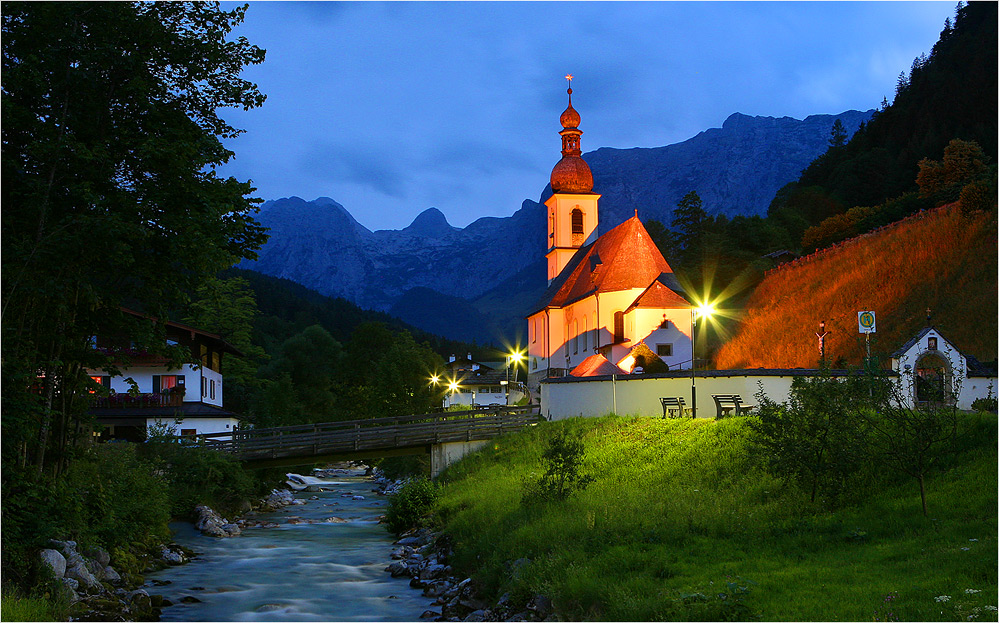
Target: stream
[(297, 571)]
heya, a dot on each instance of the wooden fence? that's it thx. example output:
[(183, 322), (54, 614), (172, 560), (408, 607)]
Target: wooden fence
[(374, 434)]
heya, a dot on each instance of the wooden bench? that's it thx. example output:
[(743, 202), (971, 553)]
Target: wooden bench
[(726, 403), (673, 406)]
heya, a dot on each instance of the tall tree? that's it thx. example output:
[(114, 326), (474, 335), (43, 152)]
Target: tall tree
[(837, 135), (689, 224), (111, 137)]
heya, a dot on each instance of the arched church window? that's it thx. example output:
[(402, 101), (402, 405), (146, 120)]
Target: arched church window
[(577, 227)]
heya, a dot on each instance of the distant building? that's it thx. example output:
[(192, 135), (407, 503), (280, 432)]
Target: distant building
[(480, 383), (147, 392), (606, 294), (932, 370)]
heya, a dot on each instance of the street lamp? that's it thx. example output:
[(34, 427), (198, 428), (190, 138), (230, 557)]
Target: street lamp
[(513, 358), (703, 311)]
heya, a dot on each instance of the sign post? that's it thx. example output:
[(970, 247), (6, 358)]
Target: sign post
[(867, 324)]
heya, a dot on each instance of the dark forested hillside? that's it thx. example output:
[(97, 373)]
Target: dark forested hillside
[(286, 308), (949, 94)]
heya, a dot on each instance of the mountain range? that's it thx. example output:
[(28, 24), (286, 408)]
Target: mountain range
[(475, 283)]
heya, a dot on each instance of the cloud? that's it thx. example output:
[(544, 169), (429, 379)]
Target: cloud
[(372, 167)]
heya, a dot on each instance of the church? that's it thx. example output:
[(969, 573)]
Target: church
[(608, 295)]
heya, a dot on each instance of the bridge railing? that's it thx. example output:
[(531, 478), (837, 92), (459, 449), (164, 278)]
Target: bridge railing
[(347, 435)]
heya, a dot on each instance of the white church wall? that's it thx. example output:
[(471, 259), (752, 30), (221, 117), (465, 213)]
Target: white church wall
[(638, 395), (677, 333), (976, 387)]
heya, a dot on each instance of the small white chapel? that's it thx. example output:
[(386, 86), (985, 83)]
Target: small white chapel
[(607, 295)]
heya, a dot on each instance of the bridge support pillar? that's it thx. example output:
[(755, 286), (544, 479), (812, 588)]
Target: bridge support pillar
[(444, 454)]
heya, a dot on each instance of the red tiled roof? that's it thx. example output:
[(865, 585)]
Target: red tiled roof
[(622, 259), (596, 365), (659, 296)]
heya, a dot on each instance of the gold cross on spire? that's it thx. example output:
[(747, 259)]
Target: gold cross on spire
[(569, 78)]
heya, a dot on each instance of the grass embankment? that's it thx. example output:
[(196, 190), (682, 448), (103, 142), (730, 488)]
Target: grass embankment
[(682, 523), (945, 261)]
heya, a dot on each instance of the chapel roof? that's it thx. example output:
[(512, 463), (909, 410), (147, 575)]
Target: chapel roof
[(661, 295), (596, 365), (622, 259)]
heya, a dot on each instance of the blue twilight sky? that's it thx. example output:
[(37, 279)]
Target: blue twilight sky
[(391, 108)]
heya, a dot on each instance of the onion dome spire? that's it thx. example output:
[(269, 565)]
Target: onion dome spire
[(571, 174)]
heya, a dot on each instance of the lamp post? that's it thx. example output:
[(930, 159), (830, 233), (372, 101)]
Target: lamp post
[(512, 359), (704, 311)]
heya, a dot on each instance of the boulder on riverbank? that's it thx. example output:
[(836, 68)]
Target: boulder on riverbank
[(212, 524)]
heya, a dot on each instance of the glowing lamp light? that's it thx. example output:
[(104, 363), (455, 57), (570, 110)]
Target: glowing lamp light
[(453, 386), (435, 379), (705, 310)]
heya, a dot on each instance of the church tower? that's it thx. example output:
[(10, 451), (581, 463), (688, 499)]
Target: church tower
[(572, 208)]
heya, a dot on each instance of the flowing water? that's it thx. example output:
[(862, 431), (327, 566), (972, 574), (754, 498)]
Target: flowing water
[(296, 571)]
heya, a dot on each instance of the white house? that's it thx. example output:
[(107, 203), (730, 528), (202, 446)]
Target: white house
[(148, 392)]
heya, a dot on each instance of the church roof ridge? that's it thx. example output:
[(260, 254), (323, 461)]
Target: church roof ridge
[(628, 259)]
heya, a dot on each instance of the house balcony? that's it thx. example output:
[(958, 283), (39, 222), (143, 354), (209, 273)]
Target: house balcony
[(139, 401)]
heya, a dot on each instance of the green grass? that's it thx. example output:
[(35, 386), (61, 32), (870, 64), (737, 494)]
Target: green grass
[(13, 607), (681, 513)]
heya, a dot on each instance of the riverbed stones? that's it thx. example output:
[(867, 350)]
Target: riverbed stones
[(81, 574), (54, 561), (398, 569), (212, 524), (403, 551), (171, 557), (541, 606)]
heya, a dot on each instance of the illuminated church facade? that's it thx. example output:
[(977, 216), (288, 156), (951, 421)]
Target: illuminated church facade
[(607, 294)]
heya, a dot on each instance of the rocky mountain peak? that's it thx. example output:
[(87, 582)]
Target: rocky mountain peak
[(430, 223)]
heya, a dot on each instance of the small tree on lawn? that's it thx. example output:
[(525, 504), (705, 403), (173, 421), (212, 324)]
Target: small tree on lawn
[(563, 460), (909, 436), (815, 438)]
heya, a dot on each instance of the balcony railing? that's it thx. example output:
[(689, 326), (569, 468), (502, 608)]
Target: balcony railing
[(139, 401)]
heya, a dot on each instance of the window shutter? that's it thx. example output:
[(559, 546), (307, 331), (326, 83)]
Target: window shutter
[(156, 383)]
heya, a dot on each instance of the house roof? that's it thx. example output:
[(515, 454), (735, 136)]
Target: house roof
[(622, 259), (186, 410), (901, 351), (223, 345), (596, 365), (660, 295), (977, 368)]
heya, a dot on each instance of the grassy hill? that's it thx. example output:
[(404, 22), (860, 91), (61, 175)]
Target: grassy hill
[(681, 523), (940, 259)]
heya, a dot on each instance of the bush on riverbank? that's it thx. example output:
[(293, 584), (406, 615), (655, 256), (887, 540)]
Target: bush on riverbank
[(410, 507), (683, 523)]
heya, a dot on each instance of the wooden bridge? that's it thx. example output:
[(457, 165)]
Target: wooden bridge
[(445, 436)]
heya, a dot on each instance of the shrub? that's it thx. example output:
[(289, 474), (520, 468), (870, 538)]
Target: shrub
[(562, 461), (111, 497), (990, 404), (197, 475), (409, 507)]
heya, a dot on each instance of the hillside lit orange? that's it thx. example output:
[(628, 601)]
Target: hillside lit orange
[(944, 261)]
